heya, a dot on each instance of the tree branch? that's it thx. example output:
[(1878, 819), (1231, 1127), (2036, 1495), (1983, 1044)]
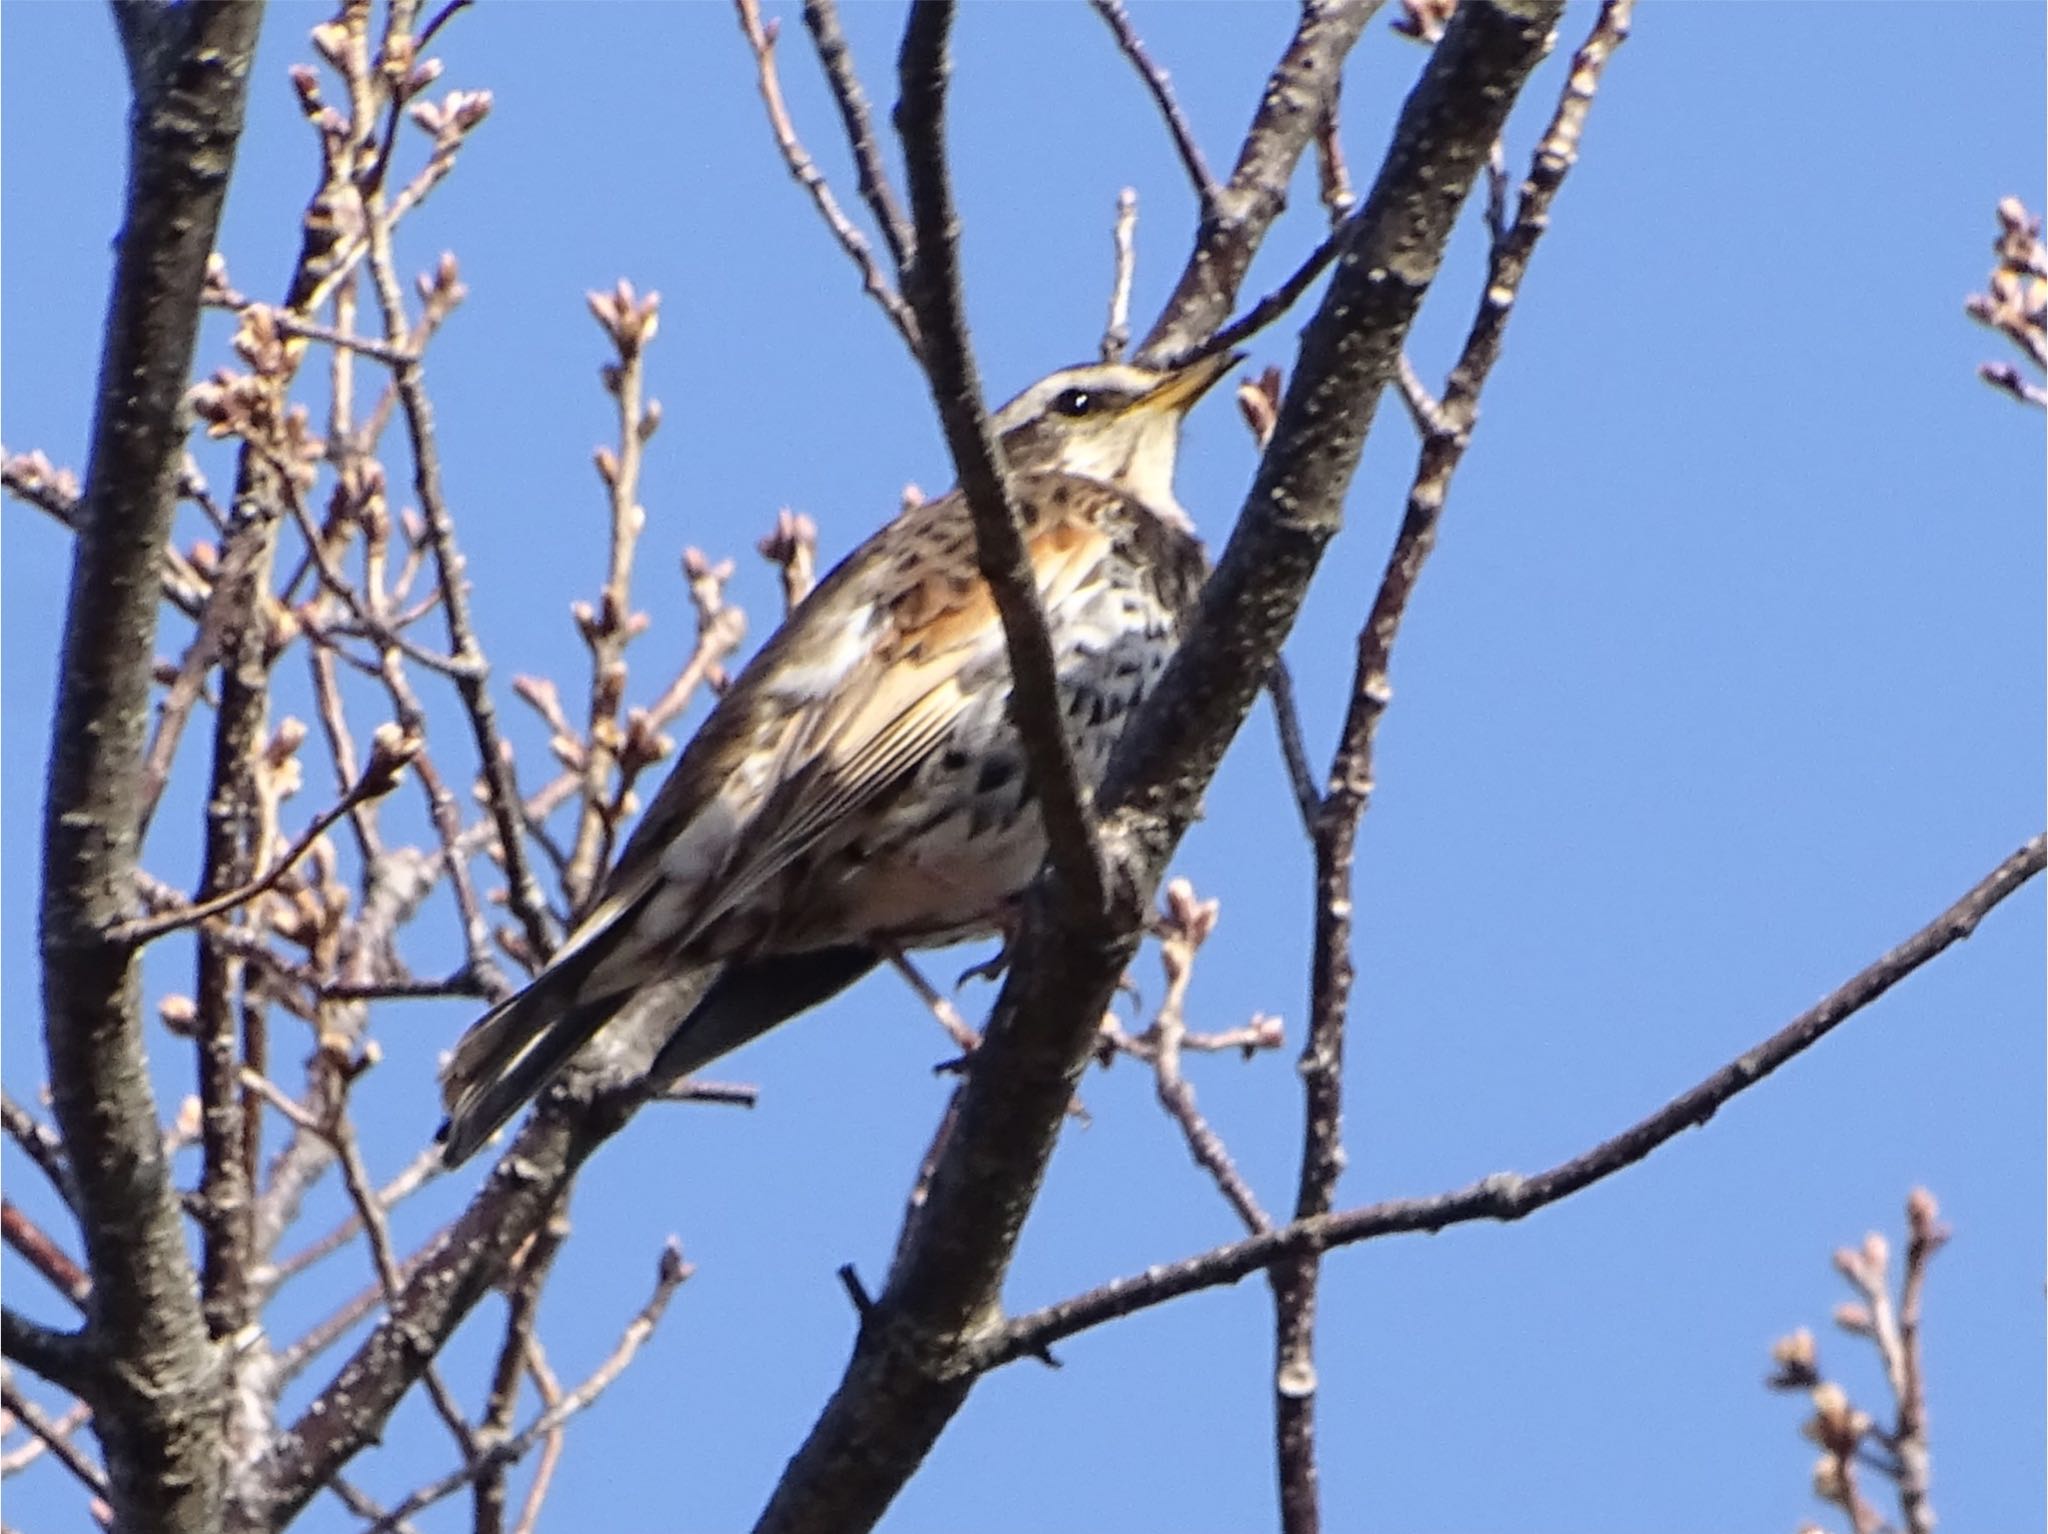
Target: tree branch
[(1509, 1196), (1297, 98), (1336, 823), (936, 1324), (157, 1406), (932, 285)]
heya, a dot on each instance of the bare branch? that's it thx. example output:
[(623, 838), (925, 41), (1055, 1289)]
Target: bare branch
[(821, 19), (673, 1270), (933, 287), (1510, 1196), (761, 37), (157, 1406), (59, 1443), (1156, 81), (1116, 335), (1296, 100)]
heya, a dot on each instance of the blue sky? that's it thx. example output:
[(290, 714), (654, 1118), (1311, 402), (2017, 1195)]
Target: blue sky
[(1726, 677)]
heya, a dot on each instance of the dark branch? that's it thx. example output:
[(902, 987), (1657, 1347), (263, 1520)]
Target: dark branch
[(821, 19), (1297, 98), (1507, 1195), (1118, 21), (936, 1322), (932, 285), (157, 1399)]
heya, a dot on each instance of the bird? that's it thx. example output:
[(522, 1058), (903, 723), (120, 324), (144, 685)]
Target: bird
[(859, 789)]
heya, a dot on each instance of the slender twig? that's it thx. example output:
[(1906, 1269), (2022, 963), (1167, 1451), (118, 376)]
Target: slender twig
[(44, 1254), (1185, 926), (932, 286), (1509, 1196), (964, 1038), (1274, 304), (1336, 824), (630, 322), (472, 678), (761, 37), (1118, 20), (55, 1439), (42, 1145), (76, 1416), (672, 1271), (373, 784), (821, 19), (1301, 777)]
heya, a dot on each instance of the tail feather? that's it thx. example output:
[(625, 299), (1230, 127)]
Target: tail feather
[(509, 1055), (753, 995)]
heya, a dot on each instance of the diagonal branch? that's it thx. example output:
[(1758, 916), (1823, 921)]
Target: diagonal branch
[(761, 38), (821, 19), (1299, 95), (932, 284), (937, 1325), (1507, 1195), (1118, 20)]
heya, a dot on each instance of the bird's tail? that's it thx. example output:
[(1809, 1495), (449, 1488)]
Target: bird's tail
[(509, 1054)]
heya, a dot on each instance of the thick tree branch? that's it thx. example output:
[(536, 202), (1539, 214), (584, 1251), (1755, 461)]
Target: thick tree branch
[(1297, 98), (937, 1322), (1508, 1195), (932, 285), (157, 1397)]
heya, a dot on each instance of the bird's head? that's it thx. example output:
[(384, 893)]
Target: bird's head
[(1109, 421)]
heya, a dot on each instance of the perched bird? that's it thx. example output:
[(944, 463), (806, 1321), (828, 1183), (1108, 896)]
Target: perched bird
[(860, 786)]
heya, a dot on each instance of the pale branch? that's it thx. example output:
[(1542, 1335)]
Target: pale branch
[(673, 1270), (630, 322), (761, 38), (16, 1460), (156, 1386), (937, 1319), (1297, 97), (1336, 824), (379, 779), (1118, 20), (932, 285), (1508, 1196), (472, 676), (1116, 334), (821, 20)]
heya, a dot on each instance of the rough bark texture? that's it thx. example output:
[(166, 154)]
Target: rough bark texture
[(924, 1340), (146, 1363)]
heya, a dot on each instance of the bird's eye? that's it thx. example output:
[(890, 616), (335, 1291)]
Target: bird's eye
[(1073, 402)]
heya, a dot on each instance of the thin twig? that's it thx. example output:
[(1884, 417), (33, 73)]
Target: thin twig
[(44, 1254), (672, 1271), (1160, 85), (54, 1438), (821, 19), (1509, 1196), (761, 38)]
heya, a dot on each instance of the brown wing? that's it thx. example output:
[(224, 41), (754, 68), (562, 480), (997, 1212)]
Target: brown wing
[(863, 682)]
